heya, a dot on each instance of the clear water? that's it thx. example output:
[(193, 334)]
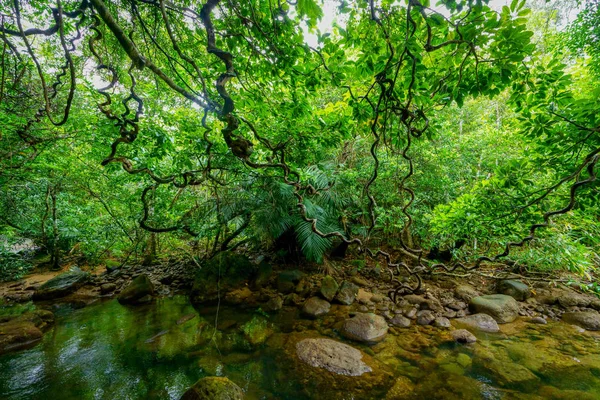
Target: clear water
[(107, 351)]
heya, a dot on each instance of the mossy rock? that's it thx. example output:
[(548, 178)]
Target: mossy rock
[(323, 383), (256, 331), (137, 291), (214, 388), (224, 272), (62, 285)]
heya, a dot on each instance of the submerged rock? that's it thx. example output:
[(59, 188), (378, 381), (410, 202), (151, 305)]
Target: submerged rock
[(365, 327), (347, 293), (587, 320), (402, 389), (329, 288), (333, 356), (139, 291), (516, 289), (214, 388), (24, 331), (501, 307), (479, 322), (62, 285), (329, 370), (256, 331), (315, 307)]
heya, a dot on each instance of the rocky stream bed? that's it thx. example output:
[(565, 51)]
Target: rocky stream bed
[(240, 329)]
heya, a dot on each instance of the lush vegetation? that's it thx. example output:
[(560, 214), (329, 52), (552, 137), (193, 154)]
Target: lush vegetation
[(137, 128)]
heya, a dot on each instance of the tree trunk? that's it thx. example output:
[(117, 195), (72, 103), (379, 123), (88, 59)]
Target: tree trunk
[(150, 255), (55, 258)]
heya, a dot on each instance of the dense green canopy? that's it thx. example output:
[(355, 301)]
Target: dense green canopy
[(456, 126)]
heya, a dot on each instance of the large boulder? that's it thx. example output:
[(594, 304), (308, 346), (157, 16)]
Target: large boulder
[(516, 289), (315, 307), (329, 287), (333, 356), (587, 320), (214, 388), (569, 299), (501, 307), (223, 273), (478, 322), (347, 293), (62, 285), (138, 290), (329, 370), (365, 327)]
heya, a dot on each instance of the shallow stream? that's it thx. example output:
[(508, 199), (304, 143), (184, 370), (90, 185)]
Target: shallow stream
[(156, 351)]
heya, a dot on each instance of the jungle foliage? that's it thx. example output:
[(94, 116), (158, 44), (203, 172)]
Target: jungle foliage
[(132, 128)]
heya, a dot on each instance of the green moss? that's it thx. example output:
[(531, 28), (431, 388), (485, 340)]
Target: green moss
[(257, 331)]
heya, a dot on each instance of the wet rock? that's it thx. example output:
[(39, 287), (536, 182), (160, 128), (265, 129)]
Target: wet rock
[(137, 291), (587, 320), (441, 322), (411, 313), (239, 296), (293, 299), (329, 287), (287, 280), (367, 328), (479, 322), (399, 321), (425, 317), (214, 388), (516, 289), (463, 336), (502, 308), (330, 370), (108, 288), (508, 374), (256, 331), (333, 356), (315, 307), (457, 305), (572, 299), (364, 297), (24, 331), (62, 285), (538, 320), (423, 303), (274, 304), (465, 292), (347, 293)]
